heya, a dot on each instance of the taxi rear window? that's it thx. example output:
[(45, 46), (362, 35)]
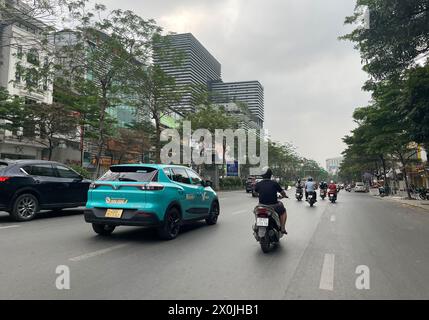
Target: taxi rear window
[(130, 174)]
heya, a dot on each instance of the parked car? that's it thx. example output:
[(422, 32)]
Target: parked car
[(250, 182), (28, 186), (150, 195), (361, 187), (254, 193)]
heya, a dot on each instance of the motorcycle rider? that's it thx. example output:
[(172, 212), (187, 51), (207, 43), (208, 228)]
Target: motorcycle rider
[(267, 190), (299, 185), (310, 186), (333, 188), (324, 186)]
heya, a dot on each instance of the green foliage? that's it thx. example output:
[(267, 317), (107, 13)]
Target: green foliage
[(394, 50), (82, 171), (211, 118), (398, 34), (231, 183)]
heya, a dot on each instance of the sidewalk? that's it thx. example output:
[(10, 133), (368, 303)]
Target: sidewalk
[(422, 204)]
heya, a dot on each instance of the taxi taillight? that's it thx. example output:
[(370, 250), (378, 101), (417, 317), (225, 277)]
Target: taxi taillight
[(152, 187)]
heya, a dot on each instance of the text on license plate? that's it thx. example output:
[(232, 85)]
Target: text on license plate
[(262, 222), (114, 213)]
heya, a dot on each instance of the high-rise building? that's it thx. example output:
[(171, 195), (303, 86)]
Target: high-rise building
[(333, 165), (195, 70), (251, 93), (198, 71)]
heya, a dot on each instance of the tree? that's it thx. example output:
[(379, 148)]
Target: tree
[(53, 123), (12, 111), (155, 93), (212, 118), (415, 106), (106, 48), (381, 134), (47, 123), (398, 36)]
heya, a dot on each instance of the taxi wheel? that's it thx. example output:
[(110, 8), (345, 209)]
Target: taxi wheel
[(214, 214), (171, 226), (103, 229)]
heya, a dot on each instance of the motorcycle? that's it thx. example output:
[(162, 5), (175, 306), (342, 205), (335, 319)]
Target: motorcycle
[(332, 196), (312, 198), (382, 192), (323, 194), (267, 228), (423, 194), (349, 188), (299, 194)]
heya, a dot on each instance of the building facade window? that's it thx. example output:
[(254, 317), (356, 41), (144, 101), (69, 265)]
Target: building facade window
[(19, 52), (33, 57)]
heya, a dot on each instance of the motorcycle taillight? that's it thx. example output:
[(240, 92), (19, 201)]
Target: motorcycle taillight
[(262, 212)]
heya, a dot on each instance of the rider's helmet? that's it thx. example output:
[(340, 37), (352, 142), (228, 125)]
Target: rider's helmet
[(332, 181), (310, 178), (266, 173)]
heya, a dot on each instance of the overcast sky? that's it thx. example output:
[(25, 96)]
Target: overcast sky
[(312, 81)]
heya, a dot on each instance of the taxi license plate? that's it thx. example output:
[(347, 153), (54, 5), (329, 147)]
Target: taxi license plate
[(262, 222), (114, 213)]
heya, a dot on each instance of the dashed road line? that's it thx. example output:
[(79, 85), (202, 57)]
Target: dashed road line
[(9, 227), (333, 218), (240, 212), (327, 276), (96, 253)]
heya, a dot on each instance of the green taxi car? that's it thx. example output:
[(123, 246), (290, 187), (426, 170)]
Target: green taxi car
[(149, 195)]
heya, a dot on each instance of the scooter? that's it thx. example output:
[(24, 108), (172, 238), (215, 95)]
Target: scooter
[(332, 196), (323, 194), (267, 227), (312, 197), (299, 194)]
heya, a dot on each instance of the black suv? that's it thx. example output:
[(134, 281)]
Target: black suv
[(27, 186)]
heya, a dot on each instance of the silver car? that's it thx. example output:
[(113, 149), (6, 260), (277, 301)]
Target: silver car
[(360, 187)]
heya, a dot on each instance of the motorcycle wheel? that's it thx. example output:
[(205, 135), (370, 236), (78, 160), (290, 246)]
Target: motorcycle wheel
[(265, 244)]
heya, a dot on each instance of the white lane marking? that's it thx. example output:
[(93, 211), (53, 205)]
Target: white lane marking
[(333, 218), (9, 227), (96, 253), (240, 212), (327, 276)]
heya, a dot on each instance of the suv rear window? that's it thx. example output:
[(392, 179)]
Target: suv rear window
[(131, 174)]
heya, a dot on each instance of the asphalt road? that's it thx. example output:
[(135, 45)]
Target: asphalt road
[(317, 260)]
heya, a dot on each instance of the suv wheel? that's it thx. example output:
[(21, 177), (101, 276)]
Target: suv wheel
[(171, 225), (103, 229), (214, 214), (25, 207)]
